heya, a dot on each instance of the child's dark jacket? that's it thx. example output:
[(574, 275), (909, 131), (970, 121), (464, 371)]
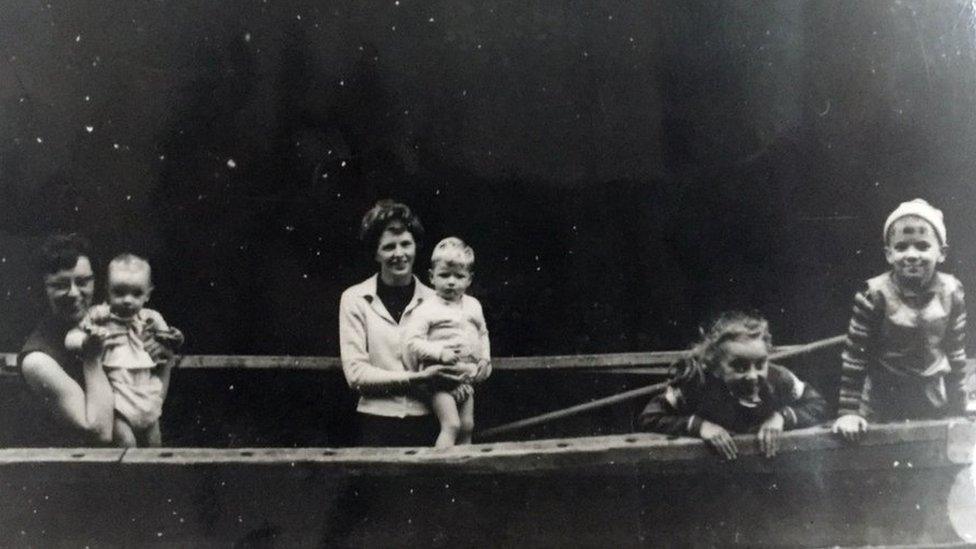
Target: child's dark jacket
[(694, 395)]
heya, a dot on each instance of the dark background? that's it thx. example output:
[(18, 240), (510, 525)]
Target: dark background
[(622, 169)]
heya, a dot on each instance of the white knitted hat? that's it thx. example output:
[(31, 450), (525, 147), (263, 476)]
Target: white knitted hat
[(918, 208)]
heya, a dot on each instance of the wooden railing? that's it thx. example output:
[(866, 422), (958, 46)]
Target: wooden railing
[(938, 443), (650, 363)]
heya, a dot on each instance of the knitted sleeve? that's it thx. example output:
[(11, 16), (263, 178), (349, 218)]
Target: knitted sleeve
[(961, 380), (673, 411), (955, 342), (802, 404), (861, 332)]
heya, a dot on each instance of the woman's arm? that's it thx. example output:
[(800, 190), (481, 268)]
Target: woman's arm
[(90, 410), (162, 342), (163, 371), (360, 374), (484, 365)]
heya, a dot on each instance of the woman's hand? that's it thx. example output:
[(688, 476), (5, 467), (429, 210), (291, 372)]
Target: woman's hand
[(450, 356), (769, 433), (157, 351), (850, 426), (95, 342), (440, 377), (484, 370), (719, 438)]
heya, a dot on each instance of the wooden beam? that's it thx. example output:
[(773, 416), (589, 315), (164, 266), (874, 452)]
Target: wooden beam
[(884, 447), (614, 362), (61, 455)]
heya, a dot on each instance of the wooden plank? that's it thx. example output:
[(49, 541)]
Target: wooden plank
[(10, 456), (188, 456), (616, 362), (260, 362), (826, 493), (884, 447)]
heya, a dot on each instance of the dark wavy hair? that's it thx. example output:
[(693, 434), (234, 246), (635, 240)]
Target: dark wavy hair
[(378, 219), (59, 252)]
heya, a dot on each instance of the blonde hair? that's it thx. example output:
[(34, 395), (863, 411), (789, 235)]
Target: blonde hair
[(727, 326), (130, 262), (452, 252)]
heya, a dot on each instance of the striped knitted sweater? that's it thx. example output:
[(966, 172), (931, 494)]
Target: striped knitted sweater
[(910, 335)]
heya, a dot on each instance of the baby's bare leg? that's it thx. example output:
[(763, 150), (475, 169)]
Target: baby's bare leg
[(122, 433), (151, 437), (446, 410), (466, 411)]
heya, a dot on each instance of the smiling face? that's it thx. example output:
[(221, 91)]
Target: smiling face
[(450, 280), (913, 251), (395, 254), (743, 365), (128, 290), (69, 291)]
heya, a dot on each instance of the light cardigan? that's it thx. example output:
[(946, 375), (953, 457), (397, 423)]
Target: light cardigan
[(370, 349)]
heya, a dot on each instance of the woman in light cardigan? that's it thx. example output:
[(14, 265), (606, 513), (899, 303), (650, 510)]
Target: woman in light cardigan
[(393, 408)]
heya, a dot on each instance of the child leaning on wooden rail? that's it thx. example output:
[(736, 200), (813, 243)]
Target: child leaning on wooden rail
[(450, 329), (137, 346), (905, 356), (726, 385)]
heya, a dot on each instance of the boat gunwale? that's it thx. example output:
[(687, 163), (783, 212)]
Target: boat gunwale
[(908, 445)]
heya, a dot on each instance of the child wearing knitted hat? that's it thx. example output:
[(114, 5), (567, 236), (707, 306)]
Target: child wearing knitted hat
[(905, 356)]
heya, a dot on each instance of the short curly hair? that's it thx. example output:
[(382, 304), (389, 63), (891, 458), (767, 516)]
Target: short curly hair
[(61, 251), (453, 252), (379, 218)]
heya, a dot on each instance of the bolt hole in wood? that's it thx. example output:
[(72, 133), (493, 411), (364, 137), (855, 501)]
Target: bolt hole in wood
[(630, 439), (486, 450), (247, 454), (78, 455), (166, 454), (328, 453), (562, 445), (410, 452)]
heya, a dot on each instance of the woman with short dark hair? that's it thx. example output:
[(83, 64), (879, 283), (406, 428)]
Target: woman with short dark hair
[(72, 390), (392, 407)]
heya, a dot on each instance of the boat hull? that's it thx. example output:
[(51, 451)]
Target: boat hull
[(896, 486)]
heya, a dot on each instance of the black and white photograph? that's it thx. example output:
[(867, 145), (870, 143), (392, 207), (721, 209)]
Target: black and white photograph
[(426, 273)]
